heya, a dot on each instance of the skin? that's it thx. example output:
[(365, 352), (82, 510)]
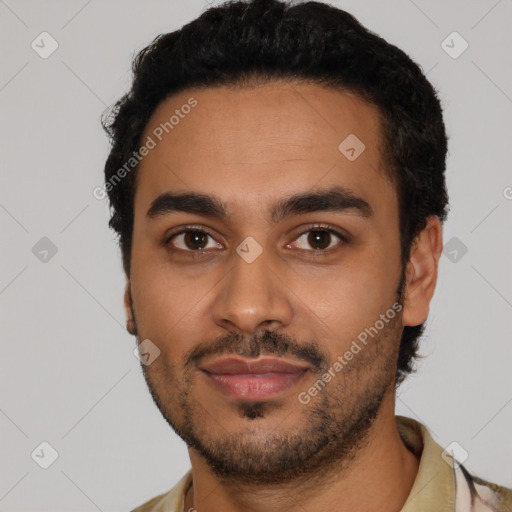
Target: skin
[(251, 146)]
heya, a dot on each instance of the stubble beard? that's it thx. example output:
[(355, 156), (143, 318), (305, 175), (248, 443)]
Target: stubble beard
[(332, 430)]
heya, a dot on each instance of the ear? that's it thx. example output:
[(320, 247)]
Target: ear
[(128, 307), (421, 272)]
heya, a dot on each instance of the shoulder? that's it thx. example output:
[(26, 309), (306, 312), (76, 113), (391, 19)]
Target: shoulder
[(171, 501), (474, 493), (153, 505), (442, 482)]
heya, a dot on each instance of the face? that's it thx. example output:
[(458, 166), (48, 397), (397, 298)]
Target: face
[(263, 254)]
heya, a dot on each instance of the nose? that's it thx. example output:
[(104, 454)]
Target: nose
[(252, 296)]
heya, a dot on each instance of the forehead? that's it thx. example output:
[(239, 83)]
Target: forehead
[(246, 144)]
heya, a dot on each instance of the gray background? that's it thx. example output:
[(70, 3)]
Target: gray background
[(69, 376)]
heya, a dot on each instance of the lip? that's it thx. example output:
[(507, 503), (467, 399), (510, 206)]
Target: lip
[(243, 366), (257, 379)]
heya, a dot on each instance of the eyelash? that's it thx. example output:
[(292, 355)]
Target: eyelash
[(326, 229), (201, 253)]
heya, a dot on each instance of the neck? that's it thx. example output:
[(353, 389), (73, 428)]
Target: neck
[(379, 477)]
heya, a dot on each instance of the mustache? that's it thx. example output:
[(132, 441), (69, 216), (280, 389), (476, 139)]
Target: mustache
[(266, 342)]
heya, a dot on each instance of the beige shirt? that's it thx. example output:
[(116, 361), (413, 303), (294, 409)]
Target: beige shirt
[(441, 485)]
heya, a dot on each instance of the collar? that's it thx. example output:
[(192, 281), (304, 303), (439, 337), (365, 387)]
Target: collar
[(434, 486), (433, 489)]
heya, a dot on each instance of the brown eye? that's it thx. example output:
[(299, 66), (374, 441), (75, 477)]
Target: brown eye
[(318, 240), (192, 241), (195, 239)]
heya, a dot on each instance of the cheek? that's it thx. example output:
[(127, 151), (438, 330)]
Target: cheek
[(169, 305), (353, 287), (349, 299)]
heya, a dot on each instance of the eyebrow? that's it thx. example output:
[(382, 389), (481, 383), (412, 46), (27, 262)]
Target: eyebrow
[(335, 199)]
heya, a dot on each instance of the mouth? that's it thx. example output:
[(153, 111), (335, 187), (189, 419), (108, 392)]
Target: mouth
[(253, 379)]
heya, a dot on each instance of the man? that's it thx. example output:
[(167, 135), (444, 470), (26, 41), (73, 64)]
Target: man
[(277, 182)]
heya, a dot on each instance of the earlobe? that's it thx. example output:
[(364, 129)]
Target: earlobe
[(128, 307), (421, 272)]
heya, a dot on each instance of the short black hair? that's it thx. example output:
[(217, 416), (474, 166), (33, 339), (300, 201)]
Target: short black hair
[(245, 42)]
